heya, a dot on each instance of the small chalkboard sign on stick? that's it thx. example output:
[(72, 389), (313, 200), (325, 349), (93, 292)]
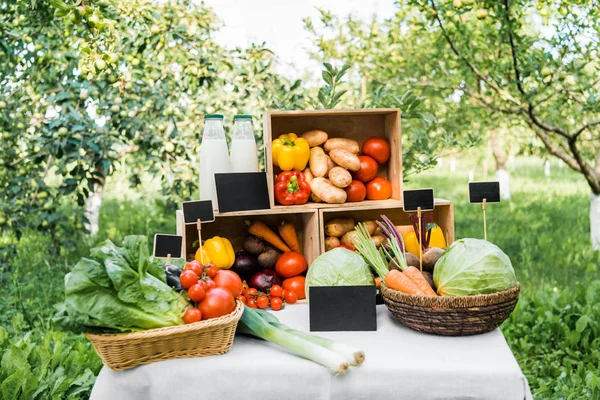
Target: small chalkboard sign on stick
[(197, 212), (419, 200), (484, 192), (242, 191), (167, 246)]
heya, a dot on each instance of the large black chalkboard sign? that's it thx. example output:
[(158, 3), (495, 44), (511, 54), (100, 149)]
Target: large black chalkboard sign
[(242, 191), (342, 308), (197, 210), (490, 191), (413, 199), (165, 245)]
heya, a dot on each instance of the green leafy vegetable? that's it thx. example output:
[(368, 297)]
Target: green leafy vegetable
[(473, 266)]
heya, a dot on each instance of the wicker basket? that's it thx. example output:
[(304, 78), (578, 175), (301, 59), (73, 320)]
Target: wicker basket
[(205, 338), (451, 315)]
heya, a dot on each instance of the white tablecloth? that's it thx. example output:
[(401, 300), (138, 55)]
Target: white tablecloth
[(400, 364)]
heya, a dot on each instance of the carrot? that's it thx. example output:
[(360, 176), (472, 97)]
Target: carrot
[(259, 229), (397, 281), (417, 277), (378, 282), (288, 233)]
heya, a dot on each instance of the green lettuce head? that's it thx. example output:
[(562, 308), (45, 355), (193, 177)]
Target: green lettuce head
[(473, 266)]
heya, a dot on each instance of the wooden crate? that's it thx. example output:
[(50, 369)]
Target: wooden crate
[(358, 125), (232, 226), (443, 215)]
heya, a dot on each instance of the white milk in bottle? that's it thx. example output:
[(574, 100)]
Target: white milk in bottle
[(214, 156), (244, 156)]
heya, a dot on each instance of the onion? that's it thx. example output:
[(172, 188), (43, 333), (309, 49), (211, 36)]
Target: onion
[(262, 281), (245, 265)]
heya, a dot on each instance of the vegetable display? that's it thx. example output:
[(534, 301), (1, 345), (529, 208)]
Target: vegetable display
[(340, 232), (220, 252), (291, 188), (290, 152)]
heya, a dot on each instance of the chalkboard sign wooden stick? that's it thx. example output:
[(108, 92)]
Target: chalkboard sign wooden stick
[(168, 260), (199, 227), (483, 204), (420, 217)]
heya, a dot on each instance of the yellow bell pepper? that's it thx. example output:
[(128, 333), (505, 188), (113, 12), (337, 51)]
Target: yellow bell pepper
[(204, 259), (220, 252), (290, 152), (411, 240)]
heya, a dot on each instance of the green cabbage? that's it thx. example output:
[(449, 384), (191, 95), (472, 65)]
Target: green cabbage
[(473, 266), (339, 267)]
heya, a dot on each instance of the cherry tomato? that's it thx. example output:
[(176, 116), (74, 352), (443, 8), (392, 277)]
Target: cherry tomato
[(283, 293), (188, 278), (290, 264), (377, 148), (196, 267), (209, 284), (368, 169), (242, 298), (211, 271), (229, 280), (218, 302), (192, 315), (296, 285), (276, 291), (262, 302), (276, 303), (187, 266), (251, 302), (244, 287), (196, 293), (252, 291), (379, 189), (291, 297), (356, 191)]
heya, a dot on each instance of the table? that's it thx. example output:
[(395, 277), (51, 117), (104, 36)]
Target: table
[(400, 364)]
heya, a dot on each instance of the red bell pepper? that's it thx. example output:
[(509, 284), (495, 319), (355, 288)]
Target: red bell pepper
[(291, 188)]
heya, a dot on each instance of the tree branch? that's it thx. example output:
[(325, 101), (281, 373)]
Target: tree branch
[(584, 127), (586, 170), (555, 149), (513, 50)]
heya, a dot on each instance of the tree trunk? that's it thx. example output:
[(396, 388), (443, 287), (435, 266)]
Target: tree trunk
[(595, 220), (92, 209), (502, 174)]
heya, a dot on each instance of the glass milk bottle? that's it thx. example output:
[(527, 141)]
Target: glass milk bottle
[(214, 156), (244, 156)]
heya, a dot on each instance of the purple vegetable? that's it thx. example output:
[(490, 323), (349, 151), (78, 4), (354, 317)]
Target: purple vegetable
[(245, 265), (262, 281)]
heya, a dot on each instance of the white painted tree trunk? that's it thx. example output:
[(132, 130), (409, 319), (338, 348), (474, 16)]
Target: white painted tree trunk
[(92, 210), (503, 177), (595, 220), (547, 168)]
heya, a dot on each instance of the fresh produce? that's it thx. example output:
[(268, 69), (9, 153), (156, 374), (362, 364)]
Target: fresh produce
[(431, 257), (429, 278), (377, 148), (379, 189), (254, 245), (345, 159), (119, 289), (196, 292), (259, 229), (263, 280), (356, 191), (268, 259), (290, 296), (330, 165), (417, 277), (318, 162), (276, 304), (339, 226), (262, 301), (245, 264), (378, 240), (308, 176), (290, 264), (220, 251), (430, 233), (291, 188), (327, 192), (398, 281), (371, 227), (348, 145), (331, 243), (195, 266), (290, 152), (296, 285), (188, 279), (340, 177), (368, 169), (348, 239), (315, 137), (338, 267), (229, 280), (172, 274), (202, 256), (473, 266), (217, 303), (288, 233), (192, 315)]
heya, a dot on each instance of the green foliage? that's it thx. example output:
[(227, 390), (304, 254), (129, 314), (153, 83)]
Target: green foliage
[(328, 95)]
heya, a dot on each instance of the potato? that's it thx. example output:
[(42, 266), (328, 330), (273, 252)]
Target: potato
[(318, 162), (315, 198), (412, 260), (371, 227), (345, 159), (429, 278), (340, 177), (331, 243), (345, 144), (315, 137), (330, 164), (348, 239), (430, 257), (378, 240), (327, 192), (308, 176), (339, 226)]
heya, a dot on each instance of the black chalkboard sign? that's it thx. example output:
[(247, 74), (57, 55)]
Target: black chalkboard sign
[(167, 244), (413, 199), (197, 210), (490, 191), (342, 308), (242, 191)]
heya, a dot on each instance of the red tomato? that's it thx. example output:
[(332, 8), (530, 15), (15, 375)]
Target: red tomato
[(187, 266), (290, 264), (379, 189), (188, 278), (262, 302), (377, 148), (192, 315), (242, 298), (218, 302), (291, 297), (252, 291), (211, 271), (368, 169), (251, 302), (229, 280), (276, 303), (196, 267), (283, 293), (276, 291), (196, 293), (296, 285), (209, 284), (356, 191)]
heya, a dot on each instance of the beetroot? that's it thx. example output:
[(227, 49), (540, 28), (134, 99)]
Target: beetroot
[(263, 280)]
